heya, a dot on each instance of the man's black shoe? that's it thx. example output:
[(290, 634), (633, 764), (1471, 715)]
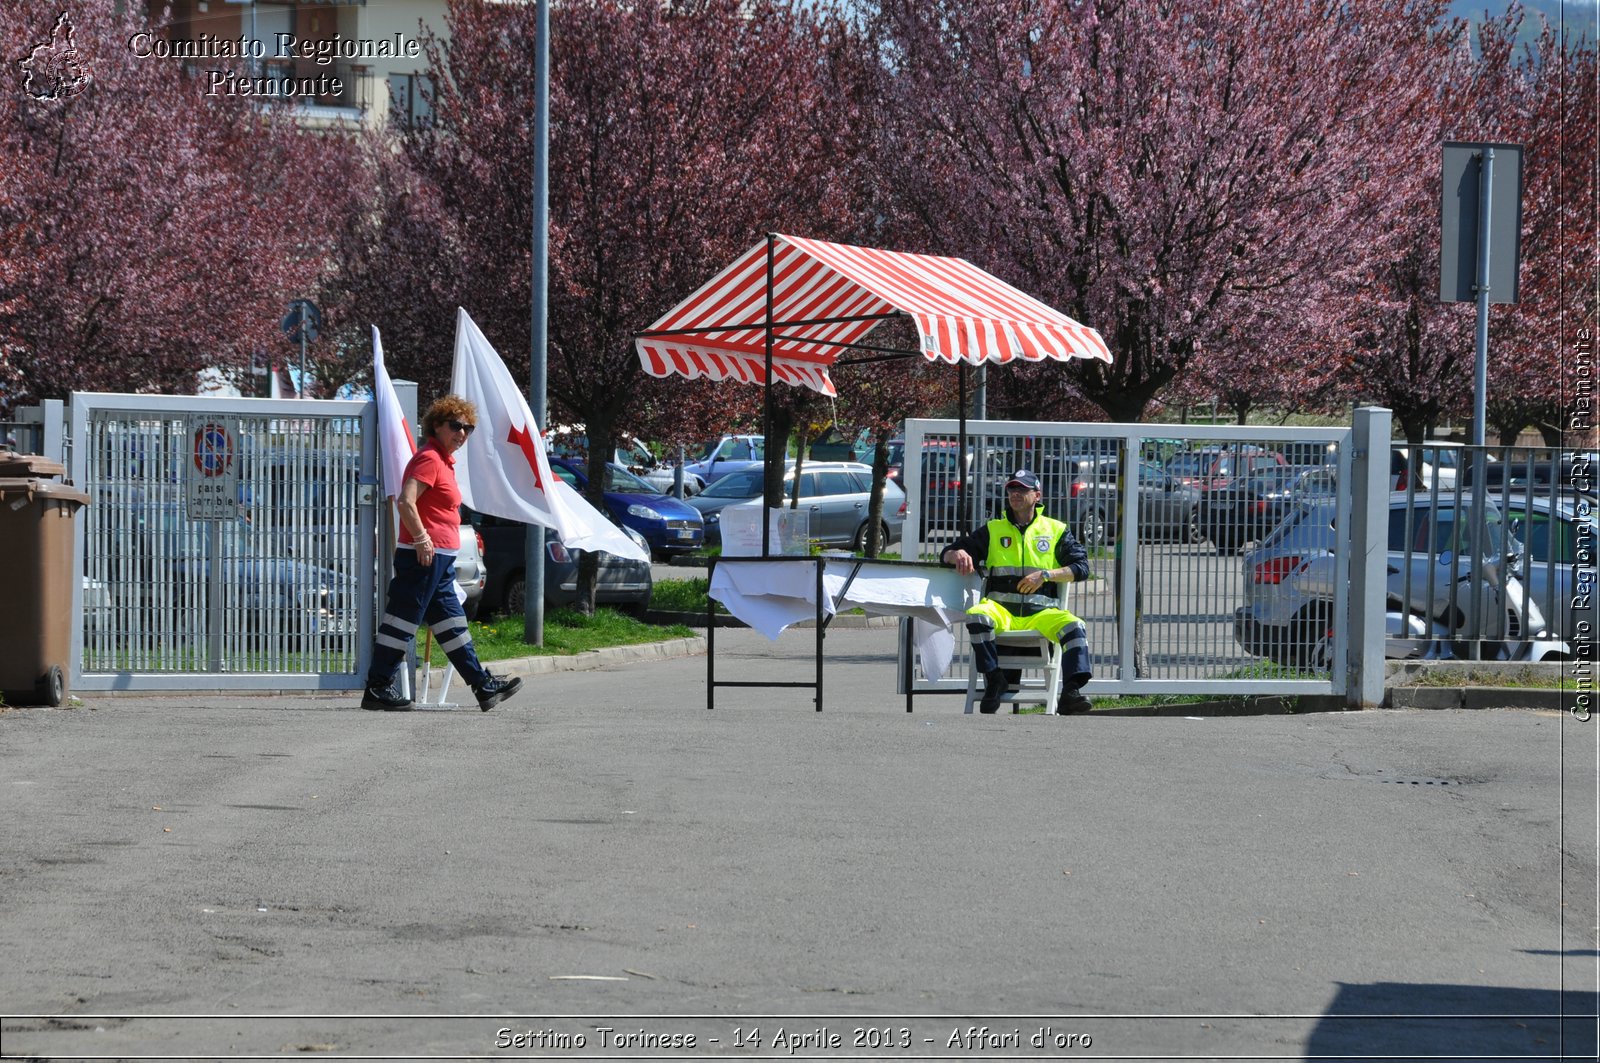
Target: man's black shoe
[(385, 698), (493, 690), (994, 685), (1072, 702)]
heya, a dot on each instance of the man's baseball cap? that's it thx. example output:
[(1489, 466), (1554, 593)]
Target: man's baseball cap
[(1024, 478)]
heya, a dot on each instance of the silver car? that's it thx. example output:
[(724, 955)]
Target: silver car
[(470, 569), (1561, 539), (1290, 581), (835, 495)]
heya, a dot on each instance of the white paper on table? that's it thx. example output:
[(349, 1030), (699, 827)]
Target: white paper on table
[(769, 597), (772, 597), (936, 647)]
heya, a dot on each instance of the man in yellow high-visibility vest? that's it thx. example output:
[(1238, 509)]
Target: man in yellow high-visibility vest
[(1026, 554)]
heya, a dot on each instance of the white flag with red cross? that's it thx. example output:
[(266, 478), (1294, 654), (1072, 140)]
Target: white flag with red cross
[(396, 443), (503, 469)]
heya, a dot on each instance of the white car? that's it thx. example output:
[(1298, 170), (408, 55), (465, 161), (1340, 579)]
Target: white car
[(571, 442), (1559, 533), (1290, 582), (471, 572), (1438, 465)]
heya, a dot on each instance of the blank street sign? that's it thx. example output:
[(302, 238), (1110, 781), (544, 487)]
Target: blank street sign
[(1458, 229)]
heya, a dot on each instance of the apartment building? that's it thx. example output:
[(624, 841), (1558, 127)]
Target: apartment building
[(335, 61)]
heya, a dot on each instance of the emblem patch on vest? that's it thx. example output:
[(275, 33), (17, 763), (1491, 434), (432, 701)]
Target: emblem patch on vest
[(1041, 544), (1005, 542)]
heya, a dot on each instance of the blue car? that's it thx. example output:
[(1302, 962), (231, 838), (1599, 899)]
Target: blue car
[(668, 525)]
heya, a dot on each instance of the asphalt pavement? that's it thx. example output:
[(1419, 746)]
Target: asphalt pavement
[(604, 868)]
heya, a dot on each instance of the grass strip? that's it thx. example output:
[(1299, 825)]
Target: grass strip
[(566, 632)]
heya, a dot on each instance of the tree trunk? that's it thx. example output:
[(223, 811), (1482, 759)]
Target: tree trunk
[(803, 440), (880, 473), (602, 444)]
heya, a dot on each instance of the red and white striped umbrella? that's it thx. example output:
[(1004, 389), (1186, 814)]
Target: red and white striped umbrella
[(826, 297)]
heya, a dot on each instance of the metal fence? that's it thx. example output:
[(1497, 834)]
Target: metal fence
[(264, 581), (1490, 573), (1164, 533)]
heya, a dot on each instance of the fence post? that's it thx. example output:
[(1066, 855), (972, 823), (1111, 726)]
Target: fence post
[(1369, 548), (53, 429)]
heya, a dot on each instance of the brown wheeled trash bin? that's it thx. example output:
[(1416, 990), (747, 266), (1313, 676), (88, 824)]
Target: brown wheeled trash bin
[(36, 526)]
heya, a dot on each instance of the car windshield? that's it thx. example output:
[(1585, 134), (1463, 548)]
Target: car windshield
[(1439, 531), (1317, 516), (616, 479), (622, 480), (1266, 481), (1324, 483), (735, 485), (729, 448), (1189, 465)]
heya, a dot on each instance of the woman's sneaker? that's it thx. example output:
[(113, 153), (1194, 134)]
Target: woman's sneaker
[(385, 698), (493, 690)]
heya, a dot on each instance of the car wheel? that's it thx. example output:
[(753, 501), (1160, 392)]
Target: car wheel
[(516, 595), (859, 545), (1314, 638), (1092, 529), (1193, 534)]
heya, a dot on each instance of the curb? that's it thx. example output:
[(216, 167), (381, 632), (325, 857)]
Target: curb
[(1477, 698), (697, 619), (1262, 706), (591, 660)]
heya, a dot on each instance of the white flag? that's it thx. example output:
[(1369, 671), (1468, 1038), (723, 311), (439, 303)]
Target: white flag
[(396, 444), (503, 469)]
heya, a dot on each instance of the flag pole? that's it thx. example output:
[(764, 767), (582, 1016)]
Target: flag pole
[(533, 552)]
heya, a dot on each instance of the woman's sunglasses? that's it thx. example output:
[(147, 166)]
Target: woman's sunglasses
[(461, 426)]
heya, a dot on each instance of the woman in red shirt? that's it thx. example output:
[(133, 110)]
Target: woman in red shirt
[(424, 584)]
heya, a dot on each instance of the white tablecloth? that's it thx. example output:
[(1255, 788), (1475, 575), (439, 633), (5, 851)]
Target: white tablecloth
[(772, 595)]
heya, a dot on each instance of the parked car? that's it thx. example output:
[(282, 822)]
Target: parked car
[(835, 493), (1310, 455), (1557, 533), (1209, 468), (266, 592), (624, 583), (1290, 583), (1433, 464), (471, 571), (277, 595), (1091, 506), (713, 460), (1573, 471), (668, 525), (571, 443), (942, 478), (1247, 508)]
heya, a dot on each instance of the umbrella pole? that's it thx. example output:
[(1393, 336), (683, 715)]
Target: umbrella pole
[(961, 447), (766, 415)]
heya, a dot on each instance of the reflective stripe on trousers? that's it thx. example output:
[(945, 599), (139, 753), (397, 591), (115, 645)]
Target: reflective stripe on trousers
[(417, 593), (988, 618)]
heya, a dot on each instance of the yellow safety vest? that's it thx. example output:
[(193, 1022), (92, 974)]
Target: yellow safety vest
[(1013, 553)]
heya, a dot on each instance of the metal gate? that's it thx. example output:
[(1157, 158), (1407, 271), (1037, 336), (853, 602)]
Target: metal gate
[(1164, 533), (229, 543)]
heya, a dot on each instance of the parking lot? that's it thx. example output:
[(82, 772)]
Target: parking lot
[(300, 876)]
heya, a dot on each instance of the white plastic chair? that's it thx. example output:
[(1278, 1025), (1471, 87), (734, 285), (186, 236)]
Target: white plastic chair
[(1037, 657)]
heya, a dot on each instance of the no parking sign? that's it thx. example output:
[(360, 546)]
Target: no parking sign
[(213, 469)]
